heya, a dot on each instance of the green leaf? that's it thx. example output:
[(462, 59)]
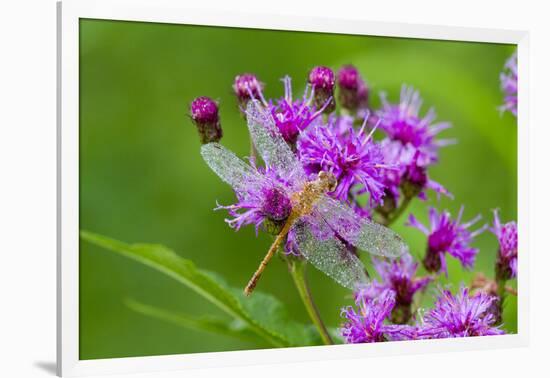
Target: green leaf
[(262, 313), (233, 328)]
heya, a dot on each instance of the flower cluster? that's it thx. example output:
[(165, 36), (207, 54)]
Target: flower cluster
[(471, 312), (372, 173), (380, 160), (460, 315)]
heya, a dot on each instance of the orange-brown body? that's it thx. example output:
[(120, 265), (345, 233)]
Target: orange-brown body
[(302, 204)]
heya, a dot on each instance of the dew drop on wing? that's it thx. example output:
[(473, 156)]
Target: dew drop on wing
[(270, 144), (362, 233), (229, 167), (320, 246)]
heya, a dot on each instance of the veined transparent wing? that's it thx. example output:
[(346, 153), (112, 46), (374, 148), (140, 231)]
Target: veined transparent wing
[(229, 167), (270, 144), (318, 244), (362, 233)]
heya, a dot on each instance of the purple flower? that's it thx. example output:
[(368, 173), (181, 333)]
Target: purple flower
[(204, 113), (322, 81), (292, 116), (402, 123), (367, 323), (447, 236), (354, 93), (509, 85), (351, 155), (409, 175), (266, 205), (507, 259), (348, 77), (400, 276), (460, 316)]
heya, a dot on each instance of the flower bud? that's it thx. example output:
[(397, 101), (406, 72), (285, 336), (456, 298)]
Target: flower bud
[(414, 180), (354, 92), (348, 78), (432, 260), (204, 113), (276, 208), (276, 205), (322, 81), (507, 255), (247, 86)]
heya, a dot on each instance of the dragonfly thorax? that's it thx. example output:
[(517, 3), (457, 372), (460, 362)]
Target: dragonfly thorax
[(304, 200)]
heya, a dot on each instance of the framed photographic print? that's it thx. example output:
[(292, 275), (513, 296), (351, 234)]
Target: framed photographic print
[(270, 188)]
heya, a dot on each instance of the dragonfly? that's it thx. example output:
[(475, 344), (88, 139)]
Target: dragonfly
[(322, 227)]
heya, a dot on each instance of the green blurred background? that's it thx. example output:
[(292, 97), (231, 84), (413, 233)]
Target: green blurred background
[(142, 178)]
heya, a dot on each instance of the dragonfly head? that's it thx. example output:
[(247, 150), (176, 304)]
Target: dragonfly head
[(328, 180)]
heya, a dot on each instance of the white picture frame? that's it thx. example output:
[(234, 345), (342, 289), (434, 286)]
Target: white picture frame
[(171, 11)]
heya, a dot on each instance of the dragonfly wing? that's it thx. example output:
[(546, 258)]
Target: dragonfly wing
[(323, 250), (229, 167), (270, 144), (362, 233)]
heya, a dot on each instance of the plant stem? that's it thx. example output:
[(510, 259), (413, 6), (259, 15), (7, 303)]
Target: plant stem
[(511, 290), (297, 270), (501, 290), (400, 210), (501, 287), (501, 293)]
